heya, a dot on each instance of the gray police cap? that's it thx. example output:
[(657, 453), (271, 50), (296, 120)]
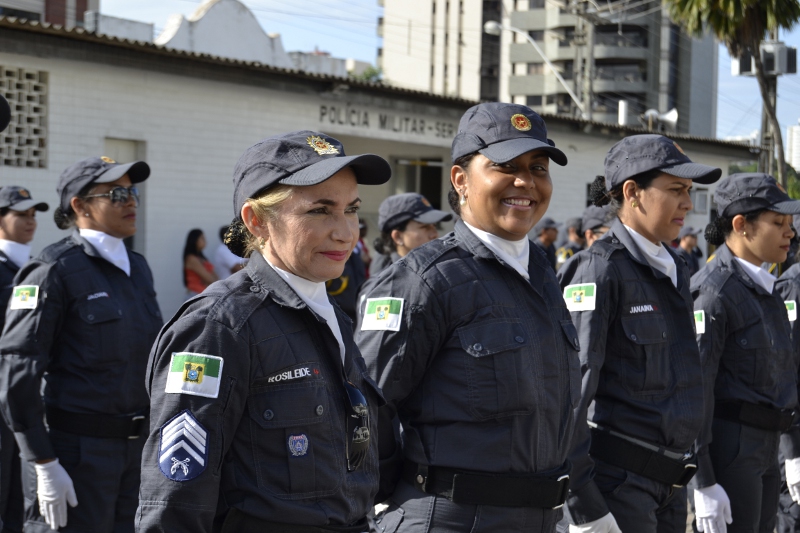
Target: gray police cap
[(545, 223), (743, 193), (688, 230), (97, 170), (299, 158), (401, 208), (637, 154), (19, 199), (502, 132), (595, 217)]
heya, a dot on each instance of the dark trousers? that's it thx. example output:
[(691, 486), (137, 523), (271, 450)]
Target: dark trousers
[(412, 511), (11, 499), (105, 473), (788, 510), (745, 463)]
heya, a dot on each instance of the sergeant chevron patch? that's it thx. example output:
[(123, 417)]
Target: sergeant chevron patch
[(183, 449)]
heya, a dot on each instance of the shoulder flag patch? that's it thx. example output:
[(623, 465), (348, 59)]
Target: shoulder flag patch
[(791, 309), (194, 373), (580, 297), (183, 450), (24, 297), (700, 322), (382, 314)]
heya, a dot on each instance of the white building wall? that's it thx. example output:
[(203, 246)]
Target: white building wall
[(117, 27), (793, 146), (34, 6), (407, 49)]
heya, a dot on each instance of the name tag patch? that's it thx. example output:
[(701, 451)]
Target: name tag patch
[(700, 322), (97, 295), (580, 297), (24, 297), (196, 374), (382, 314), (183, 449), (303, 372), (642, 308), (791, 309)]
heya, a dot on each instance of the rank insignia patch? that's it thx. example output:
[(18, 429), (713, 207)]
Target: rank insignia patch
[(791, 309), (580, 297), (298, 445), (24, 297), (322, 146), (382, 313), (183, 449), (194, 373)]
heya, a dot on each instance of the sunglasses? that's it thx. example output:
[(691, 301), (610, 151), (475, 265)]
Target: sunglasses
[(357, 427), (120, 195)]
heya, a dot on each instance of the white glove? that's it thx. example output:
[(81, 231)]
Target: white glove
[(712, 509), (606, 524), (793, 478), (54, 489)]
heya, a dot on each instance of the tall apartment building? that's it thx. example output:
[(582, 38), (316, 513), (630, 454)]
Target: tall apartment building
[(639, 57), (68, 13), (793, 146)]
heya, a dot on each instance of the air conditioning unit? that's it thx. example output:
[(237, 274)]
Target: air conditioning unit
[(777, 59), (744, 65)]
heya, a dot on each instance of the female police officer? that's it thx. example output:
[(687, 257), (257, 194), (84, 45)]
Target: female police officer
[(744, 339), (82, 316), (473, 346), (631, 304), (262, 413)]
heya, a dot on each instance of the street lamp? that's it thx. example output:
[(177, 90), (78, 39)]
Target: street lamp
[(492, 27)]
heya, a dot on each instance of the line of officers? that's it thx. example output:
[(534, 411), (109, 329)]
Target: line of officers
[(476, 391)]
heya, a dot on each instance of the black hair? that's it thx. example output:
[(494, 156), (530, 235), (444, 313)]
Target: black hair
[(65, 218), (236, 238), (452, 195), (191, 248), (718, 231), (4, 211), (222, 231), (599, 196), (385, 244)]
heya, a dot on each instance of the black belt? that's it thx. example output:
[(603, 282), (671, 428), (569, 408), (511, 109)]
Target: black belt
[(754, 415), (481, 488), (651, 464), (238, 522), (96, 425)]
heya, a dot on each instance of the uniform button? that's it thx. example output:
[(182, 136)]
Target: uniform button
[(268, 414), (420, 479), (90, 317), (575, 340), (320, 410), (255, 288), (633, 337), (477, 347), (772, 342), (615, 241), (378, 521), (119, 312), (744, 342), (519, 339), (663, 334)]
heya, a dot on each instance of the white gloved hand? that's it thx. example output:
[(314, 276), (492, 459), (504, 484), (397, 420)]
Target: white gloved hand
[(712, 509), (54, 489), (793, 478), (606, 524)]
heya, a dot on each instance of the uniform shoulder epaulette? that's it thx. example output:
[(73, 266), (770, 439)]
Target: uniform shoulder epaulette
[(427, 254), (605, 247), (52, 252)]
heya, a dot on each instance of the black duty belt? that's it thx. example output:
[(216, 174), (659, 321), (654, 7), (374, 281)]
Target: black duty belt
[(481, 488), (650, 463), (96, 425), (238, 522), (754, 415)]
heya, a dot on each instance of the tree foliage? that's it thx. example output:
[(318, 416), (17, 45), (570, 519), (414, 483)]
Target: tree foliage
[(371, 74)]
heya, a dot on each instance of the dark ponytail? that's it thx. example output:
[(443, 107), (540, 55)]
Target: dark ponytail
[(384, 244), (597, 192), (237, 238), (599, 196), (718, 231)]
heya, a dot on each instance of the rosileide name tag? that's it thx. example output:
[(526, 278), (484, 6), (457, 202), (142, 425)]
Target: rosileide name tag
[(194, 373), (580, 297), (700, 322), (24, 297), (382, 314), (791, 309)]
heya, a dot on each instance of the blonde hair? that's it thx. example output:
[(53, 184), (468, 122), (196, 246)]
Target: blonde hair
[(265, 207)]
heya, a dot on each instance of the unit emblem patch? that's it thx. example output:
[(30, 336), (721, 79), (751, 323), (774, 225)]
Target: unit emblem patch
[(521, 122), (322, 146), (580, 297), (791, 309), (700, 322), (183, 449), (298, 445), (382, 314), (194, 373), (24, 297)]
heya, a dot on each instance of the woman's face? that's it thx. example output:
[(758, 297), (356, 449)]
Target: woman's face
[(415, 234), (505, 199), (201, 242), (117, 220), (316, 228), (767, 239), (18, 226), (660, 209)]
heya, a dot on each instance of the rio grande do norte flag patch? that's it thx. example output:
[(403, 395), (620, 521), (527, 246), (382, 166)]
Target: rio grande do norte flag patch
[(382, 314), (580, 297), (700, 322), (24, 297), (194, 373)]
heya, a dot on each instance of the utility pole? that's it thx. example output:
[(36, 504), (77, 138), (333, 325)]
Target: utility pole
[(766, 160), (579, 42), (588, 76), (583, 67)]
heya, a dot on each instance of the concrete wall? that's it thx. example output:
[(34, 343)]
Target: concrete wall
[(117, 27)]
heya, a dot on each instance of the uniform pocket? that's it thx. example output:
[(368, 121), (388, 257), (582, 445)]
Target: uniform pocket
[(293, 440), (500, 377), (573, 360), (102, 331), (753, 342), (647, 361)]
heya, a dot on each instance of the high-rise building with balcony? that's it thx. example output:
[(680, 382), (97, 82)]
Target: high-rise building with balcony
[(627, 51)]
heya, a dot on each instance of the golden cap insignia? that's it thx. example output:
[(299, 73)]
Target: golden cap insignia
[(24, 193), (105, 159), (425, 202), (780, 186), (521, 122), (321, 146), (678, 147)]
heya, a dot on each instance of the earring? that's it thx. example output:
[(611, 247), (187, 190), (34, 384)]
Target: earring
[(744, 234), (463, 200), (86, 214), (261, 242), (634, 205)]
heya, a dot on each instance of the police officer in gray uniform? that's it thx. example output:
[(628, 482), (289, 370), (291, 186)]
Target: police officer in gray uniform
[(473, 346), (750, 366), (263, 415), (575, 241), (630, 301), (80, 322)]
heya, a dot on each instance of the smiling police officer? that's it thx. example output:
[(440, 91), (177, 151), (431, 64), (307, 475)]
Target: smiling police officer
[(263, 414)]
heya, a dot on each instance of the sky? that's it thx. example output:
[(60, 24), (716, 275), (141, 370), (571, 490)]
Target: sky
[(347, 29)]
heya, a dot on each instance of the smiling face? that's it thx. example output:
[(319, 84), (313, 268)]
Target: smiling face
[(315, 229), (505, 199), (765, 240), (18, 226), (100, 214), (660, 208)]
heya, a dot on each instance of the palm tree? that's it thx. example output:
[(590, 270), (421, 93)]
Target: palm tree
[(741, 25)]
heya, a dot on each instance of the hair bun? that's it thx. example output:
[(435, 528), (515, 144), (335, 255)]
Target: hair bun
[(597, 192), (62, 219), (714, 234), (236, 238)]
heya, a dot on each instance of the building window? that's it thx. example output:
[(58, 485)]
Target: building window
[(536, 4), (19, 13), (535, 68), (534, 100), (537, 35), (24, 142), (699, 200)]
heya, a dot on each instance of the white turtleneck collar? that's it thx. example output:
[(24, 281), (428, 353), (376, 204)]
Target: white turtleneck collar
[(515, 253), (315, 296), (758, 275), (17, 253), (110, 248), (656, 255)]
